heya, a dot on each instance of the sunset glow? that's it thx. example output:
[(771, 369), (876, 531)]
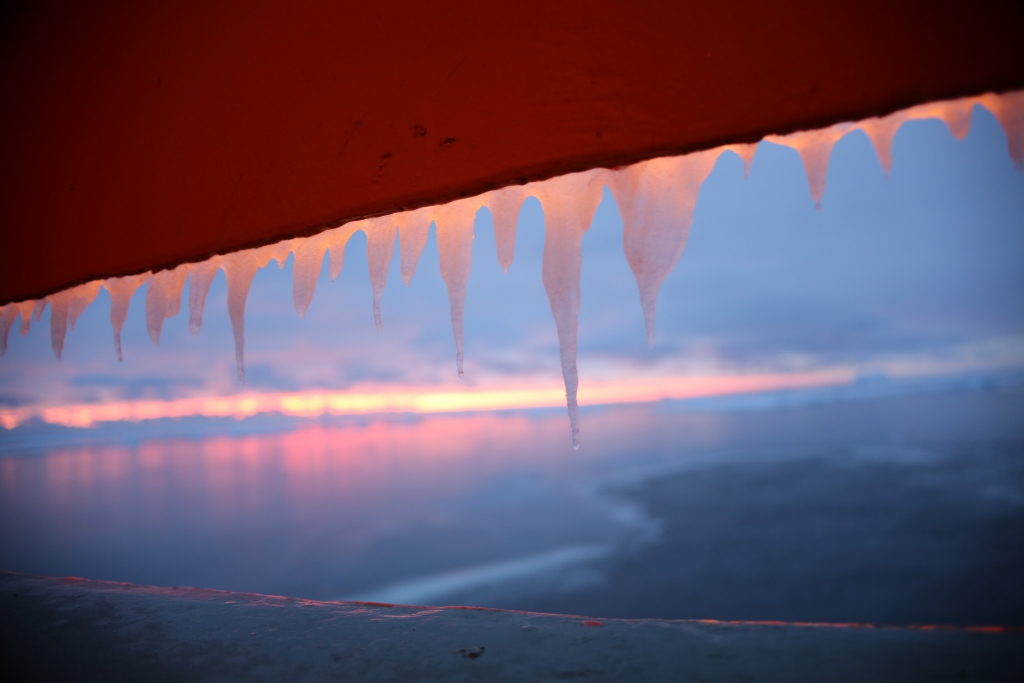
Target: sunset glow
[(422, 400)]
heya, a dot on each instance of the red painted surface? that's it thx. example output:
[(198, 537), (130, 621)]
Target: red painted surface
[(137, 135)]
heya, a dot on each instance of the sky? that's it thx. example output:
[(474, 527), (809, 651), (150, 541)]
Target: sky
[(914, 275)]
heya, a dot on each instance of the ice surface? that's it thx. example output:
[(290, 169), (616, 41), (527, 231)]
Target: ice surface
[(656, 198)]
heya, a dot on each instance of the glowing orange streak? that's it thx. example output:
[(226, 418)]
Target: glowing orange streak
[(422, 400)]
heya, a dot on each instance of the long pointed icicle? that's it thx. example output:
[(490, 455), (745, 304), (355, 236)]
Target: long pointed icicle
[(569, 204), (380, 248), (163, 299), (240, 268), (504, 205), (413, 228), (656, 199), (59, 320), (815, 148), (309, 261), (455, 243), (121, 290), (1009, 111), (8, 314), (200, 277)]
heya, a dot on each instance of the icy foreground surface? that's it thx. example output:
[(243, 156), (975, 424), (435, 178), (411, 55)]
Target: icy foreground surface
[(656, 198), (123, 631)]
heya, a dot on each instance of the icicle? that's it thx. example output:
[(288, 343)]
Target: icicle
[(1009, 111), (656, 199), (278, 251), (881, 132), (336, 241), (454, 223), (68, 304), (240, 268), (163, 299), (309, 261), (8, 314), (956, 114), (504, 205), (38, 308), (200, 277), (58, 321), (745, 153), (380, 248), (121, 290), (413, 228), (569, 204), (815, 148), (25, 310), (84, 295)]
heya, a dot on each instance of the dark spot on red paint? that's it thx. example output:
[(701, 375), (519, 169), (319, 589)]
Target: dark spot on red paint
[(419, 131), (384, 160), (813, 91), (447, 142), (592, 623), (598, 135)]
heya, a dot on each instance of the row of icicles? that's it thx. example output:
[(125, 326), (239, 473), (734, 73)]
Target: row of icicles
[(656, 199)]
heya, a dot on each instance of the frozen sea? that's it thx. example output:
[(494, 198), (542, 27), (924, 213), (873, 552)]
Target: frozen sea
[(882, 502)]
